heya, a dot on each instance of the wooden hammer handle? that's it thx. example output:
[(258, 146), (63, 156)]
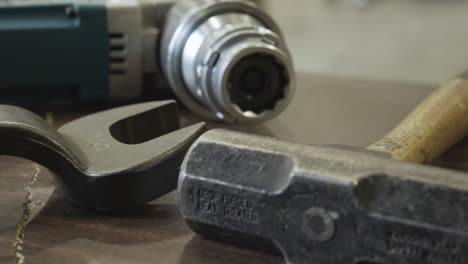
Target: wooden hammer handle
[(439, 122)]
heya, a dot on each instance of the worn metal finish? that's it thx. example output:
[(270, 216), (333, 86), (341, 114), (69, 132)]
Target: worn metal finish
[(110, 160), (323, 204)]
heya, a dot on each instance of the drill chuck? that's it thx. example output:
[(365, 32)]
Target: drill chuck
[(227, 60)]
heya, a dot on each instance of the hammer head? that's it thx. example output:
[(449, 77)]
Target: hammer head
[(323, 204)]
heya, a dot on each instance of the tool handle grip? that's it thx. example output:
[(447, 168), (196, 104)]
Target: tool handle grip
[(439, 122)]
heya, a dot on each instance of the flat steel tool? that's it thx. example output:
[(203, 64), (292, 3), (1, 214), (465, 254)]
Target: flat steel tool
[(111, 160), (337, 204)]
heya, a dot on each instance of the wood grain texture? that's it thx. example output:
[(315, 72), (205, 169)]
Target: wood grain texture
[(325, 110), (434, 126)]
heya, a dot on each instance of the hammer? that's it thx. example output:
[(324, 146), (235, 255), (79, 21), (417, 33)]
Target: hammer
[(337, 204)]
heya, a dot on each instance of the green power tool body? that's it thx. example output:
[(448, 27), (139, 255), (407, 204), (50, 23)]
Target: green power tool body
[(54, 52)]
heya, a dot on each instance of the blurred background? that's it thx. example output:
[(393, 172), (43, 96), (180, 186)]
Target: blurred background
[(411, 41)]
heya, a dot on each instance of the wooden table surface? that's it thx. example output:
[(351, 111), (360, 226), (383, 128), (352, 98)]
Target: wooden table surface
[(325, 110)]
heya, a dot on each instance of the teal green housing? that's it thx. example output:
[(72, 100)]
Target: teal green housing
[(54, 52)]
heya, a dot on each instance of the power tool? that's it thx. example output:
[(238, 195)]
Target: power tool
[(223, 59)]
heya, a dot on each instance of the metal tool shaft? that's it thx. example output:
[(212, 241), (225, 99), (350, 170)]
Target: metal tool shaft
[(111, 160)]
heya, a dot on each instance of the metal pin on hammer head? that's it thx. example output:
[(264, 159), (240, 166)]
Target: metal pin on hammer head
[(111, 160)]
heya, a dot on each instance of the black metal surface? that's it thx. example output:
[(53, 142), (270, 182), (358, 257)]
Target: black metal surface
[(110, 160), (323, 204)]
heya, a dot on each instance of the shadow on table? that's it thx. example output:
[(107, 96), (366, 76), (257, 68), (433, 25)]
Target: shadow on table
[(188, 118), (200, 250), (61, 221)]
